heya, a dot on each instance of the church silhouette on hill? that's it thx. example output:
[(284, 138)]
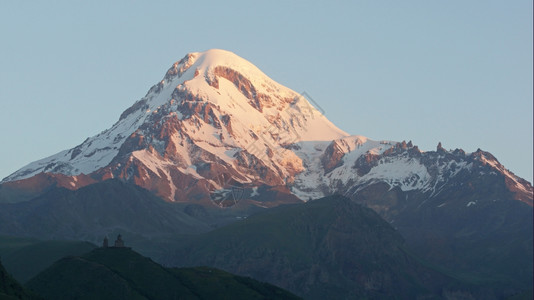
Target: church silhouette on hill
[(119, 243)]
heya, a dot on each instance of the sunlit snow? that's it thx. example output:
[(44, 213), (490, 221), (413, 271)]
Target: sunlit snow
[(287, 134)]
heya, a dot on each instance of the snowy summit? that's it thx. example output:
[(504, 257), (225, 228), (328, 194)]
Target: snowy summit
[(215, 119)]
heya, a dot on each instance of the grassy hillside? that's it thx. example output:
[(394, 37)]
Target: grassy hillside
[(10, 289), (120, 273), (25, 258)]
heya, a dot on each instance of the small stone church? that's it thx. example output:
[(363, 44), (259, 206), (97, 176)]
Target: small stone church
[(119, 243)]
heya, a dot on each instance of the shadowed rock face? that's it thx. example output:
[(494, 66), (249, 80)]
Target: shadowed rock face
[(332, 157), (476, 222), (243, 85), (469, 230), (94, 211), (330, 248)]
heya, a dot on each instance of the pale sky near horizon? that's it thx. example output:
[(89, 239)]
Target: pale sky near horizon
[(459, 72)]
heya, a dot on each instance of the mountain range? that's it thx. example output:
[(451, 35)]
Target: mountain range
[(218, 141), (216, 120)]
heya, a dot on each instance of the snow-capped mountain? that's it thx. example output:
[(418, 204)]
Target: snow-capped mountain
[(215, 120), (350, 164), (216, 130)]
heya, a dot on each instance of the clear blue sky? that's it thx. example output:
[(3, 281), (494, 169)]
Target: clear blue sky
[(459, 72)]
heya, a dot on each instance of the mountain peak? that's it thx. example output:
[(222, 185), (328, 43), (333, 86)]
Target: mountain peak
[(218, 57), (216, 119), (215, 63), (213, 102), (223, 78)]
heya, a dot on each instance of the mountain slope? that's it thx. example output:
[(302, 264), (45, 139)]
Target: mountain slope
[(11, 289), (120, 273), (470, 221), (94, 211), (25, 258), (330, 248), (108, 208)]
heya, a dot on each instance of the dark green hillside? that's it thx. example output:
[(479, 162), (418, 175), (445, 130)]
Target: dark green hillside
[(9, 244), (25, 258), (120, 273), (330, 248), (11, 289), (526, 295)]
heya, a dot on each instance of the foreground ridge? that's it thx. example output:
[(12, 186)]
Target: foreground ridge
[(121, 273)]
